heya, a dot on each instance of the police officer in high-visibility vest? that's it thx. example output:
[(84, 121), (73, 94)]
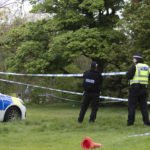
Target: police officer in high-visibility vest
[(92, 85), (138, 76)]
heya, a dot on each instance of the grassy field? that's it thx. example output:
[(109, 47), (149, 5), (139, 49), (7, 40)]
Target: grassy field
[(54, 127)]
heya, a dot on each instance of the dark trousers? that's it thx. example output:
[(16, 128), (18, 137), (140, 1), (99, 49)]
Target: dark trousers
[(92, 98), (137, 94)]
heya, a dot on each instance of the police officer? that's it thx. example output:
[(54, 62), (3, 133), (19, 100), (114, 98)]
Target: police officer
[(138, 76), (92, 86)]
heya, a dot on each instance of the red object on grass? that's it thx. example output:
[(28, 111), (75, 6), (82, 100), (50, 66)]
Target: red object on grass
[(87, 143)]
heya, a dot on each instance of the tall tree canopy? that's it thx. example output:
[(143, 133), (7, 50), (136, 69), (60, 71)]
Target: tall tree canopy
[(136, 25), (75, 30), (76, 27)]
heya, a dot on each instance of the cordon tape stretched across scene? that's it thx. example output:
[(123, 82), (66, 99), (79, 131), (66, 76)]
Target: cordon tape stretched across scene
[(12, 108), (64, 91), (61, 75)]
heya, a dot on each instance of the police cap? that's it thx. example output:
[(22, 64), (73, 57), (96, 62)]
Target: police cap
[(137, 56)]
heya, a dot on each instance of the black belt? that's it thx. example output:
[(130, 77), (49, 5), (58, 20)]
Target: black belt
[(139, 85)]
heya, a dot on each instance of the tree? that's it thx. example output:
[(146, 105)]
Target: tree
[(78, 27), (136, 25), (82, 28), (29, 44)]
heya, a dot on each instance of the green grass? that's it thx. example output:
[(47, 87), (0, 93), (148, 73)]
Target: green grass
[(54, 127)]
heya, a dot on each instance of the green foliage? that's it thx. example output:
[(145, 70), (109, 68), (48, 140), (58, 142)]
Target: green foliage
[(86, 42), (93, 43), (76, 28), (29, 58), (73, 14), (92, 5), (27, 47), (136, 24)]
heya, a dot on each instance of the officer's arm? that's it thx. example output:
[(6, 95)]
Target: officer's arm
[(131, 72)]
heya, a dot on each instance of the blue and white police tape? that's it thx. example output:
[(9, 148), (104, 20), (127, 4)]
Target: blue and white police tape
[(43, 75), (63, 91), (61, 75), (57, 90), (114, 73), (144, 134), (70, 100), (114, 98), (65, 99), (131, 136)]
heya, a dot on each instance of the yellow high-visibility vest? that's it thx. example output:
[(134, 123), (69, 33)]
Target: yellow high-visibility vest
[(141, 74)]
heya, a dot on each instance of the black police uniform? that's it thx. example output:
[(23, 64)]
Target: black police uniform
[(92, 85), (137, 94)]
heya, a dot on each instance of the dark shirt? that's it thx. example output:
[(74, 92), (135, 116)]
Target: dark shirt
[(92, 81), (130, 74)]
